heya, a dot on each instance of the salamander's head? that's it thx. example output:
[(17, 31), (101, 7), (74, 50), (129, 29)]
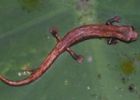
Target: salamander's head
[(129, 33), (132, 34)]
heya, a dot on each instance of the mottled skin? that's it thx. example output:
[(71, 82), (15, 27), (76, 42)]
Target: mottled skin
[(123, 33)]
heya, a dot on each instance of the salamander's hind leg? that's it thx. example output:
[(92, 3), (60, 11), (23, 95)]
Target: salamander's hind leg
[(110, 21), (78, 58), (75, 56)]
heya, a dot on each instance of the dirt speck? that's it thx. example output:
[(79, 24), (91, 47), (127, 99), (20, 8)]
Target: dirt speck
[(30, 5), (132, 88), (127, 67)]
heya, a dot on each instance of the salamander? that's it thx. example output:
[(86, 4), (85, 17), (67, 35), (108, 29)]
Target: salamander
[(125, 33)]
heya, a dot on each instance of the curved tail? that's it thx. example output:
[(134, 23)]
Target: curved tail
[(39, 72)]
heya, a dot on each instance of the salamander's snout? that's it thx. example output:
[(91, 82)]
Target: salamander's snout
[(133, 35)]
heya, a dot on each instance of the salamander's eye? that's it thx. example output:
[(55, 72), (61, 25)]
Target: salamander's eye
[(132, 27)]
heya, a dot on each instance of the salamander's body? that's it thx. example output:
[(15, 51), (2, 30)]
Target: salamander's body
[(123, 33)]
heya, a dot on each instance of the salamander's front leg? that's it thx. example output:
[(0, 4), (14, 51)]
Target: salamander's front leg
[(110, 21), (115, 19), (75, 56), (111, 41)]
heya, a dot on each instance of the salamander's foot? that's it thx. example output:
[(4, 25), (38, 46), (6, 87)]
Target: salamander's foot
[(55, 33), (115, 19), (78, 58), (112, 41)]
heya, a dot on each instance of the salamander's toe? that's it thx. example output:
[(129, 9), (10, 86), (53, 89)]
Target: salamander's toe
[(80, 59)]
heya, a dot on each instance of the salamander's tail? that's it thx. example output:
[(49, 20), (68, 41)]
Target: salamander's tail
[(15, 83), (46, 64)]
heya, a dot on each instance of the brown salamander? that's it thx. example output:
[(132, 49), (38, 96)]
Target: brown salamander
[(76, 35)]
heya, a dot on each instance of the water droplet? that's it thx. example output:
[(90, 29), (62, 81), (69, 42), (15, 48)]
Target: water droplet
[(48, 37), (19, 74), (66, 82), (89, 59), (88, 87)]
